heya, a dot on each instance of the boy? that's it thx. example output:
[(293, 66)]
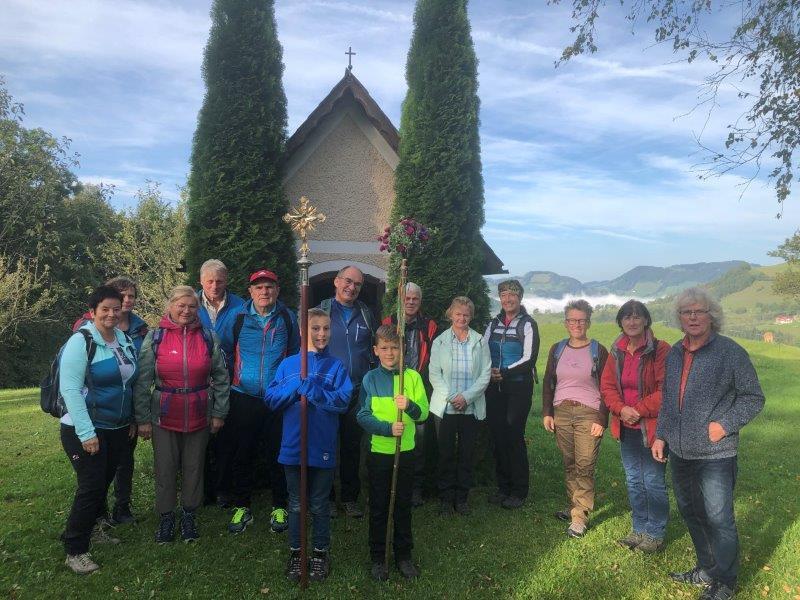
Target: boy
[(327, 389), (380, 399)]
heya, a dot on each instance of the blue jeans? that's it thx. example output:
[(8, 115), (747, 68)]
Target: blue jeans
[(647, 491), (320, 482), (704, 493)]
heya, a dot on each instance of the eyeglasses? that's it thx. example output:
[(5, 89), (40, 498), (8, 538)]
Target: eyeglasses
[(576, 321), (693, 313), (355, 284)]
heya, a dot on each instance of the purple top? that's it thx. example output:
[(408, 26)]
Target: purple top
[(574, 378)]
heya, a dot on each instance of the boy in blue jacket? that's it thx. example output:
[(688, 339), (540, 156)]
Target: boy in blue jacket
[(327, 389)]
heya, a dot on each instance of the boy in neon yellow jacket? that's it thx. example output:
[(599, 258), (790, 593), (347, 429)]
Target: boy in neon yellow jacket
[(379, 401)]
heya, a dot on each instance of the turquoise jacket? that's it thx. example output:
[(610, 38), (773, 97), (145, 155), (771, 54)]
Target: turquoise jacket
[(107, 403), (440, 368)]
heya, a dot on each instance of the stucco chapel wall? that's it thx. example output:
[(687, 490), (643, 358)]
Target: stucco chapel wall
[(349, 179)]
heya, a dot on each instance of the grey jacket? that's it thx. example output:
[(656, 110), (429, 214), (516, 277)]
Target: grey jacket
[(722, 387)]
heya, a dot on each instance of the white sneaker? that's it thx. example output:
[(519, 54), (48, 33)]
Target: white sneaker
[(82, 564), (100, 536)]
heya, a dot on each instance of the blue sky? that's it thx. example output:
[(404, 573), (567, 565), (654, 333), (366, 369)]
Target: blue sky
[(588, 168)]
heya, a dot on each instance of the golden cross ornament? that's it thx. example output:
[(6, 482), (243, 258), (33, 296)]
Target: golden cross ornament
[(304, 219)]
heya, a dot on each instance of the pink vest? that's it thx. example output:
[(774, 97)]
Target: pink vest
[(183, 366)]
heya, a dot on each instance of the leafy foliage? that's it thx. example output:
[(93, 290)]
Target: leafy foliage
[(438, 180), (763, 48), (787, 283), (236, 198)]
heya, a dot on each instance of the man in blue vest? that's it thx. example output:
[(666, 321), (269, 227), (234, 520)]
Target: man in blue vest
[(263, 334), (352, 329)]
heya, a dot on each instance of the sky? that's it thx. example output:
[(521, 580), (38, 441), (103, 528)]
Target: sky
[(590, 168)]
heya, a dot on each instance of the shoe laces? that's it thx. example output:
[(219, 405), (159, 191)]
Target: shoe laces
[(318, 560), (188, 526), (278, 515), (166, 526), (84, 560), (238, 515), (294, 561)]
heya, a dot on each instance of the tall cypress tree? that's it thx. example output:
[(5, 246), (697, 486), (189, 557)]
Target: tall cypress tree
[(438, 180), (236, 199)]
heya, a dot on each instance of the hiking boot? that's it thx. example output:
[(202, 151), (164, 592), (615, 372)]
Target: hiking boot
[(696, 577), (497, 498), (717, 591), (81, 564), (242, 517), (101, 536), (166, 528), (319, 567), (631, 540), (512, 502), (278, 522), (293, 566), (379, 572), (407, 568), (188, 527), (445, 508), (416, 498), (334, 511), (650, 545), (563, 515), (353, 510), (576, 530), (122, 515), (463, 509)]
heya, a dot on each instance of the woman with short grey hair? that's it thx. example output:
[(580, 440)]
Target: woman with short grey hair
[(700, 296)]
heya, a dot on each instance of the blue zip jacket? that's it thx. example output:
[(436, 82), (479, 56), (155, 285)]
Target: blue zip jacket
[(351, 340), (327, 389), (107, 404), (260, 349), (225, 320), (514, 347)]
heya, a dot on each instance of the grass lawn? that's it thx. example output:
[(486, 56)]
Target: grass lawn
[(492, 554)]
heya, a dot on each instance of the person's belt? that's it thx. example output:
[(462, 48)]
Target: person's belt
[(189, 390)]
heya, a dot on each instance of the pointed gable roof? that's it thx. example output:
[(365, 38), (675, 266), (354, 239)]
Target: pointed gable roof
[(348, 87)]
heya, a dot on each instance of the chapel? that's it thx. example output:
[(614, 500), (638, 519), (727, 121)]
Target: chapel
[(343, 158)]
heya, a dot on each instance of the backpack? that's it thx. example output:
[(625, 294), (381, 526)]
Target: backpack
[(158, 337), (287, 322), (594, 351), (50, 399)]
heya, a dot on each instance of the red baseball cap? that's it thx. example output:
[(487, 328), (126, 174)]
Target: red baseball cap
[(263, 274)]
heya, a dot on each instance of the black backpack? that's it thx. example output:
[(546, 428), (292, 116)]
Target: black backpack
[(50, 399)]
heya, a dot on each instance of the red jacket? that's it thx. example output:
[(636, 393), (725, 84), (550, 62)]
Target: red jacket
[(651, 380), (183, 366), (426, 330)]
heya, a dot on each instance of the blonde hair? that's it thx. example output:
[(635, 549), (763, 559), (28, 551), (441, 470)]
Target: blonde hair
[(178, 292), (460, 301)]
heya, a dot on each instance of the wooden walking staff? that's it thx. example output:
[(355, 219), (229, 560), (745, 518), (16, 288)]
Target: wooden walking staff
[(401, 331), (303, 219)]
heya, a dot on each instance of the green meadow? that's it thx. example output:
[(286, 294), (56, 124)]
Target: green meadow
[(493, 553)]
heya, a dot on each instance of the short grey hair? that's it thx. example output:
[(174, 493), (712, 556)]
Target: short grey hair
[(213, 265), (413, 287), (581, 305), (696, 295), (181, 291), (460, 301)]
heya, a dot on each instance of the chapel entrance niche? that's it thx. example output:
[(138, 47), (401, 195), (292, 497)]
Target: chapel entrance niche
[(321, 287)]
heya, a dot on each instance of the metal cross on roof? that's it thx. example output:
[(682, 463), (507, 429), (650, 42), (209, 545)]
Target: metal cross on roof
[(350, 54)]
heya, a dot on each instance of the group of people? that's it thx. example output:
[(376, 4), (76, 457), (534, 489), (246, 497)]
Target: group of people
[(219, 374)]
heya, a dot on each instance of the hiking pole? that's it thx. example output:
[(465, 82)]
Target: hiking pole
[(303, 220), (401, 331)]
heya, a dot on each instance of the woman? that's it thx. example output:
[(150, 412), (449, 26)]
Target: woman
[(513, 340), (711, 391), (95, 429), (572, 409), (631, 387), (180, 397), (136, 329), (459, 370)]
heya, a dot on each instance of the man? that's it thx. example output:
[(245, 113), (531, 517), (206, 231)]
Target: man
[(710, 392), (218, 307), (420, 331), (262, 335), (352, 328)]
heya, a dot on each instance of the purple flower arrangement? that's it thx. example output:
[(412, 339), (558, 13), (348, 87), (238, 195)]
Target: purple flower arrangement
[(405, 237)]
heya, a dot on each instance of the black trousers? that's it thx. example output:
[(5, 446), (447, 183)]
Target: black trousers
[(350, 434), (380, 467), (123, 480), (456, 435), (507, 407), (94, 472), (236, 446)]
